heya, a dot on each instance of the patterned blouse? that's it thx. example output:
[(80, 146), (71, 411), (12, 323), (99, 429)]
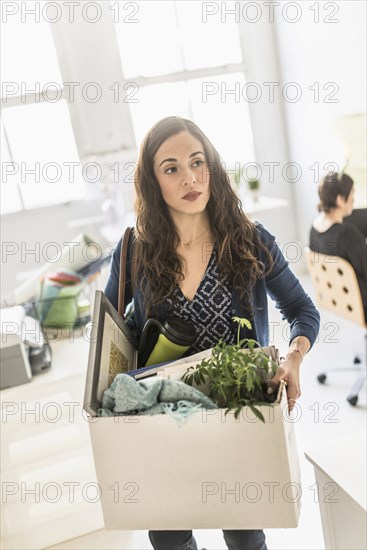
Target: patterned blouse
[(210, 311)]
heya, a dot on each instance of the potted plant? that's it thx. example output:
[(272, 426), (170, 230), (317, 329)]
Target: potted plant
[(254, 187), (236, 375)]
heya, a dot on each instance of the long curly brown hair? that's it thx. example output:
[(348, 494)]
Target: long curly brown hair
[(156, 239)]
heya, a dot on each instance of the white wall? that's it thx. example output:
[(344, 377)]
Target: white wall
[(89, 53), (309, 53), (267, 119)]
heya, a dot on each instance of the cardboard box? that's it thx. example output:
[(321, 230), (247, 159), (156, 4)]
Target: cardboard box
[(211, 472)]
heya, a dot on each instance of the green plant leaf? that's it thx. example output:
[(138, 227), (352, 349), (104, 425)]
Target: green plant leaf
[(242, 322), (257, 413), (236, 374), (197, 377), (249, 381)]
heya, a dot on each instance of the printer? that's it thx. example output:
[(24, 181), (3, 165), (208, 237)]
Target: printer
[(23, 351)]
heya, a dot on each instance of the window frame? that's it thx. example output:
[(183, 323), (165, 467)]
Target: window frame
[(64, 38)]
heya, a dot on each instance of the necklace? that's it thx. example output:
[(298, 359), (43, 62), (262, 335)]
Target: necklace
[(187, 243)]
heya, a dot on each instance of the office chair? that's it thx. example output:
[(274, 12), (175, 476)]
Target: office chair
[(336, 289)]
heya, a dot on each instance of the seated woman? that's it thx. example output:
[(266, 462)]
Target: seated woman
[(329, 235)]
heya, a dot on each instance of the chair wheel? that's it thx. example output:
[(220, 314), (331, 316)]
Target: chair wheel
[(353, 400), (321, 378)]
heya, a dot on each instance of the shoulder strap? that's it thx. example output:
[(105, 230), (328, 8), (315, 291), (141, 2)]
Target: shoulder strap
[(122, 279)]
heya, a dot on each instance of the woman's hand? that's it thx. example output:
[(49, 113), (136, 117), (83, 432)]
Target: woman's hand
[(289, 368), (288, 371)]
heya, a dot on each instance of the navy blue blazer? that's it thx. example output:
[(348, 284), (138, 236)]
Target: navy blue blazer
[(280, 284)]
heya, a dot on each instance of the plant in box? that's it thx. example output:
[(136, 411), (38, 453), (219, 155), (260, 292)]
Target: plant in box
[(237, 375)]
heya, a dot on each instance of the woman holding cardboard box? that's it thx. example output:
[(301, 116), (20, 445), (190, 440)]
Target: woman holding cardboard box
[(200, 258)]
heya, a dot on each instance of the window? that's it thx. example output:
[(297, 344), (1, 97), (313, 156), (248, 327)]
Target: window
[(227, 124), (171, 37), (41, 150), (169, 52), (10, 198), (36, 134), (186, 59)]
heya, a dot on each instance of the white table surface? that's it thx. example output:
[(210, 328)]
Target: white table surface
[(344, 461), (45, 440), (262, 204)]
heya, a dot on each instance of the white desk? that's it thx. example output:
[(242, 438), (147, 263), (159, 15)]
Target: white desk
[(340, 471), (262, 204), (46, 449)]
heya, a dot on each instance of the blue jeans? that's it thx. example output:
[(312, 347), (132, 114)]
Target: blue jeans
[(183, 540)]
